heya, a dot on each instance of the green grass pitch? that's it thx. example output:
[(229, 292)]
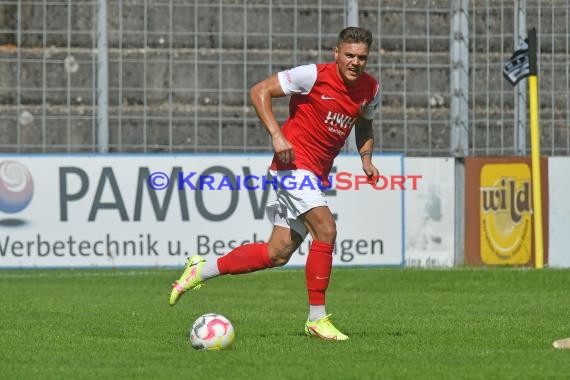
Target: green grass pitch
[(403, 324)]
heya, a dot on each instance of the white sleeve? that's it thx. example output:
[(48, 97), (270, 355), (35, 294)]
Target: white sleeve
[(298, 80), (370, 109)]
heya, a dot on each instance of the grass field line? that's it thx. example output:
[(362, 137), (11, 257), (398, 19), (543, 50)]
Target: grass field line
[(15, 273), (80, 273), (96, 272)]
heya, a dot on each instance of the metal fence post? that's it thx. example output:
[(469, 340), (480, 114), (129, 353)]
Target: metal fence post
[(520, 129), (352, 20), (459, 113), (102, 79)]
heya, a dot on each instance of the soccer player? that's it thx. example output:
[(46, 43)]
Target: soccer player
[(326, 101)]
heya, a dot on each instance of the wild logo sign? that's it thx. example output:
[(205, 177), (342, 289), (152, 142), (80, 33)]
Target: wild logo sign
[(506, 214)]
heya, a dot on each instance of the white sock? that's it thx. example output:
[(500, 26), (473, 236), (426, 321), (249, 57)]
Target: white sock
[(316, 312), (210, 270)]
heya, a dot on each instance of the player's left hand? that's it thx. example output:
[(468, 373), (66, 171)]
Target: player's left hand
[(371, 172)]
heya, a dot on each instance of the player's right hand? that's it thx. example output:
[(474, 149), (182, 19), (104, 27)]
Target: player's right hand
[(283, 149)]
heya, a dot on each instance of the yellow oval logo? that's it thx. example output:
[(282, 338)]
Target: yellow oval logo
[(505, 214)]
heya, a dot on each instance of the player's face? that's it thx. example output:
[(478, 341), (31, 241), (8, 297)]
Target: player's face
[(351, 60)]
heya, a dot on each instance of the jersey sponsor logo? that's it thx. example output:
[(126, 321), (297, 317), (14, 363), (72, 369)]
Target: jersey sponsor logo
[(506, 214), (324, 97), (339, 123)]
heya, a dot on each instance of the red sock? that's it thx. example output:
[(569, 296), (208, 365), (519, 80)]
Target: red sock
[(244, 259), (318, 271)]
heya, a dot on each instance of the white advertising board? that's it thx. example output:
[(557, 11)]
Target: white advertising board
[(430, 213), (559, 210), (99, 211)]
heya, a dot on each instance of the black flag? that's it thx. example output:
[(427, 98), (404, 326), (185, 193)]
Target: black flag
[(517, 67)]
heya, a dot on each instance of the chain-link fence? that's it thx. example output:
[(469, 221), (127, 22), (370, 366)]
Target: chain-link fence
[(492, 118), (179, 72)]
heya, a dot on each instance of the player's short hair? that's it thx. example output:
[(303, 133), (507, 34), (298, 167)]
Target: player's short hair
[(355, 35)]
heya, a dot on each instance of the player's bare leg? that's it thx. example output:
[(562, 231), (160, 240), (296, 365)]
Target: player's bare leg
[(282, 243)]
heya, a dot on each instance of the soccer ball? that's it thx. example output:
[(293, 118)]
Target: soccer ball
[(212, 332)]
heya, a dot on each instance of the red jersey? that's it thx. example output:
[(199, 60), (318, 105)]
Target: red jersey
[(322, 112)]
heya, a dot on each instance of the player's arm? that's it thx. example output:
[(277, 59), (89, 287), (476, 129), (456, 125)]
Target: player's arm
[(261, 95), (365, 143)]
